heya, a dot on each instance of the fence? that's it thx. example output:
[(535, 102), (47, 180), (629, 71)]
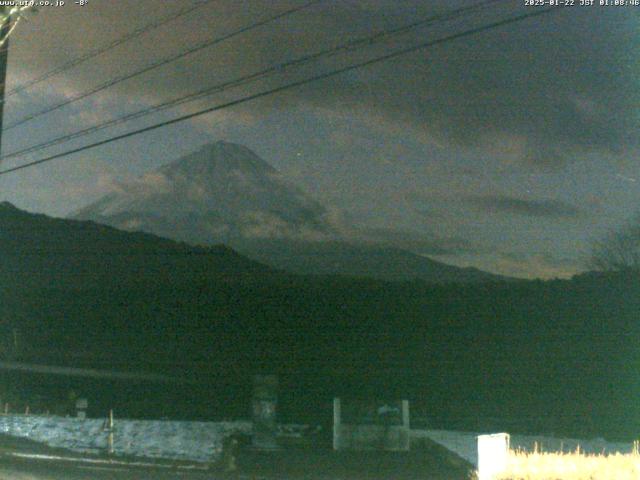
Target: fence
[(371, 425)]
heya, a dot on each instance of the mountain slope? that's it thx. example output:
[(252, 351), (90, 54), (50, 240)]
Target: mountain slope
[(44, 251), (224, 193), (219, 194), (358, 260)]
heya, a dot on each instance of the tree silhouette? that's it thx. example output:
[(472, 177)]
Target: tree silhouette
[(619, 250)]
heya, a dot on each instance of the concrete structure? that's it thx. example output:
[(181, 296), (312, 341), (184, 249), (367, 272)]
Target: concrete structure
[(493, 455), (371, 425)]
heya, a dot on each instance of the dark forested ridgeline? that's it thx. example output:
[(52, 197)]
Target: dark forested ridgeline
[(545, 357)]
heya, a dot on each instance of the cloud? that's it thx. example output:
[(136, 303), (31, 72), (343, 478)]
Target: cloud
[(557, 92), (529, 266), (502, 90), (518, 206), (264, 225), (150, 184), (538, 265), (536, 104)]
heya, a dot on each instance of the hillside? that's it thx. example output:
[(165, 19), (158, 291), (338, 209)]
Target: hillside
[(41, 251), (527, 357)]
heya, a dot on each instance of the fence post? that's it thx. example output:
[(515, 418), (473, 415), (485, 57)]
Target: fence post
[(265, 399), (110, 435), (337, 417), (493, 454), (405, 414), (405, 443)]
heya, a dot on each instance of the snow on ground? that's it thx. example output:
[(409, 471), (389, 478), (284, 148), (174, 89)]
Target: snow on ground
[(194, 441), (465, 444)]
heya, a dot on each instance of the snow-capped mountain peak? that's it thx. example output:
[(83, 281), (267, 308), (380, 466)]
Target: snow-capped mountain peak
[(222, 192)]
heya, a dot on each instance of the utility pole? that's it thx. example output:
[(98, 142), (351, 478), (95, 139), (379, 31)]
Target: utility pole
[(9, 17), (5, 29)]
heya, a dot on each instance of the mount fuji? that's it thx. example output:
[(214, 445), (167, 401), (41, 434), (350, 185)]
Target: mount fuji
[(222, 193), (225, 193)]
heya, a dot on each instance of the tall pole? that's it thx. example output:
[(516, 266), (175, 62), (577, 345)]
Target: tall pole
[(4, 56)]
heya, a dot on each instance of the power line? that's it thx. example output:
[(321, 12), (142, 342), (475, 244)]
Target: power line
[(94, 53), (91, 373), (160, 63), (345, 47), (291, 85)]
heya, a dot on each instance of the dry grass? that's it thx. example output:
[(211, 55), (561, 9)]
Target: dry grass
[(571, 466)]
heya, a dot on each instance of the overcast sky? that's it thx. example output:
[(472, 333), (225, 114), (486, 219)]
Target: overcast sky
[(509, 150)]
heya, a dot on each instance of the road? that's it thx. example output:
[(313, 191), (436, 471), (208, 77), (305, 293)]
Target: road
[(24, 460), (28, 468)]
